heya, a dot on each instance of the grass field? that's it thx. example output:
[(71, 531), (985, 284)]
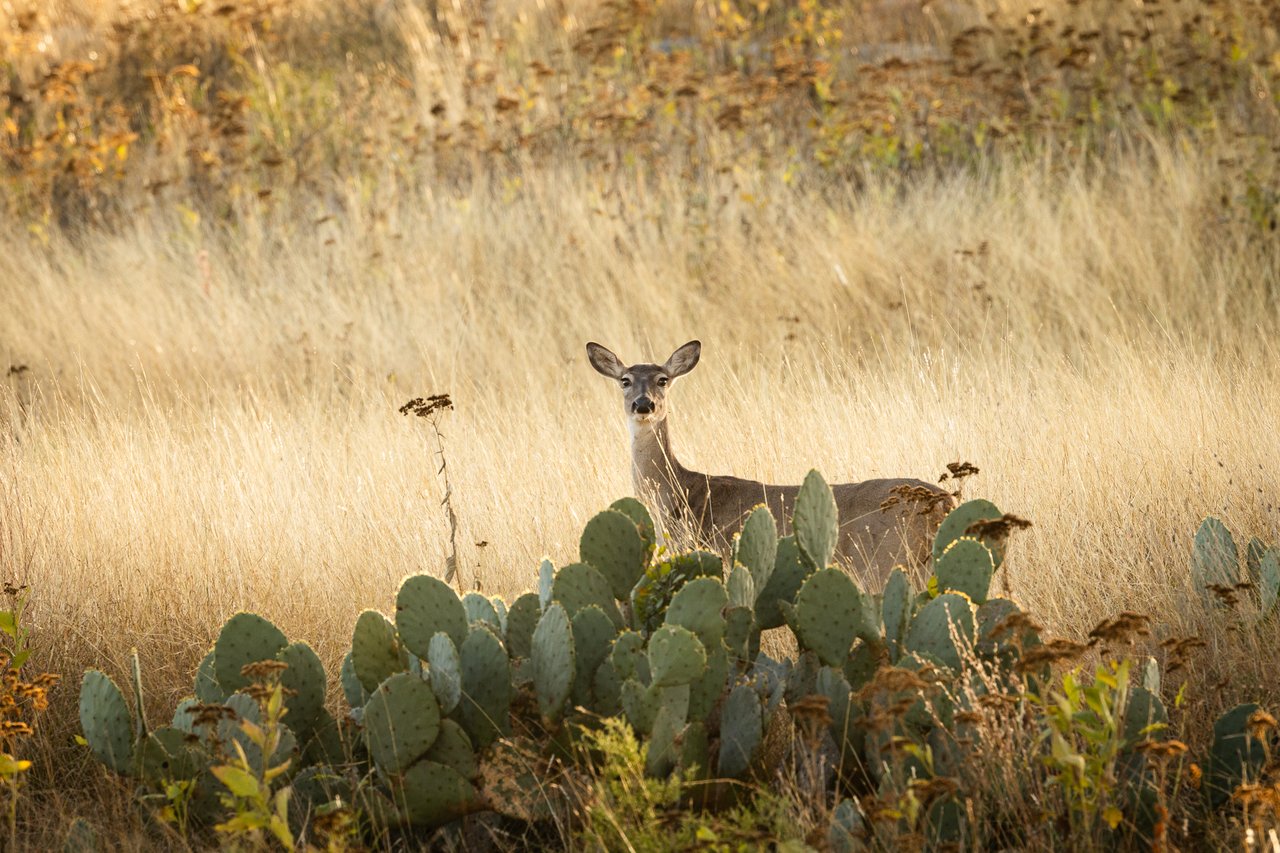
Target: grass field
[(200, 408)]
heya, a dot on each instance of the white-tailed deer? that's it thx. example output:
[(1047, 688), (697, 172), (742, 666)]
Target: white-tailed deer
[(883, 523)]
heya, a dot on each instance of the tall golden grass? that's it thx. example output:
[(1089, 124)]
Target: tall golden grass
[(199, 412)]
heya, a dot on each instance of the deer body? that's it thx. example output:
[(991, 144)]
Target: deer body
[(880, 526)]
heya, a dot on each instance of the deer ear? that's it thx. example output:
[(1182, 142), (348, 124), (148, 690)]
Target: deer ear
[(684, 359), (604, 361)]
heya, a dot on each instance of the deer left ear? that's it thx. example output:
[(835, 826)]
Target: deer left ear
[(684, 359)]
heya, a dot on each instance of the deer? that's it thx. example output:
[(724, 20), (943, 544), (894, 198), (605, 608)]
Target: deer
[(883, 522)]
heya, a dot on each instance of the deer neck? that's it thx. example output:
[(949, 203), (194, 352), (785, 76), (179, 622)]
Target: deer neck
[(654, 467)]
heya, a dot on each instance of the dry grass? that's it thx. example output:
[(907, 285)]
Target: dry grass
[(199, 418)]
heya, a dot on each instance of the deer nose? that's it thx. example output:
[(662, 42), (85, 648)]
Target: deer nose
[(642, 406)]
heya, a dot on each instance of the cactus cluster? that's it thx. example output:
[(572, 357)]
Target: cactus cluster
[(454, 699)]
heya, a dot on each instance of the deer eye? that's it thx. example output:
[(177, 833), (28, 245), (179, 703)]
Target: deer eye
[(662, 381), (626, 383)]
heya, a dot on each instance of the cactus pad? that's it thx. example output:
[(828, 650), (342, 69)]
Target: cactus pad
[(676, 656), (431, 795), (697, 606), (375, 653), (627, 649), (453, 749), (789, 574), (1269, 582), (553, 661), (634, 510), (352, 688), (1236, 756), (741, 587), (831, 613), (401, 722), (640, 704), (444, 666), (932, 629), (480, 609), (966, 566), (959, 520), (756, 546), (816, 522), (613, 545), (486, 687), (106, 722), (593, 635), (578, 585), (305, 685), (425, 605), (895, 608), (245, 638), (521, 622), (663, 752), (741, 731)]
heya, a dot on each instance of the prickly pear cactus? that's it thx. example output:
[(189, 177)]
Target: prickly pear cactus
[(789, 574), (401, 722), (445, 671), (305, 686), (1236, 756), (1214, 558), (553, 661), (698, 606), (431, 794), (578, 585), (756, 546), (521, 622), (375, 651), (741, 732), (246, 638), (958, 522), (612, 544), (486, 687), (816, 521), (831, 612), (593, 635), (425, 605), (676, 656), (966, 566), (938, 626), (636, 511), (895, 608), (106, 721)]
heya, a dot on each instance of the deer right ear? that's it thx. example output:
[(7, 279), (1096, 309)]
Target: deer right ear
[(604, 361), (684, 359)]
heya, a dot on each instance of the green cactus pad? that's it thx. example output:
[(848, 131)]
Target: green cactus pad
[(246, 638), (593, 635), (663, 752), (959, 520), (305, 686), (640, 704), (480, 609), (966, 566), (676, 656), (756, 546), (741, 587), (741, 732), (627, 649), (1236, 756), (183, 719), (1253, 554), (1144, 717), (606, 688), (831, 613), (486, 687), (553, 660), (831, 683), (613, 545), (895, 608), (695, 751), (697, 606), (521, 622), (707, 689), (931, 630), (106, 722), (546, 578), (444, 665), (789, 574), (816, 522), (324, 744), (863, 662), (352, 688), (739, 635), (578, 585), (636, 511), (432, 795), (1269, 582), (401, 722), (998, 640), (453, 749), (164, 756), (846, 830), (207, 688), (375, 653), (1214, 558), (425, 605)]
